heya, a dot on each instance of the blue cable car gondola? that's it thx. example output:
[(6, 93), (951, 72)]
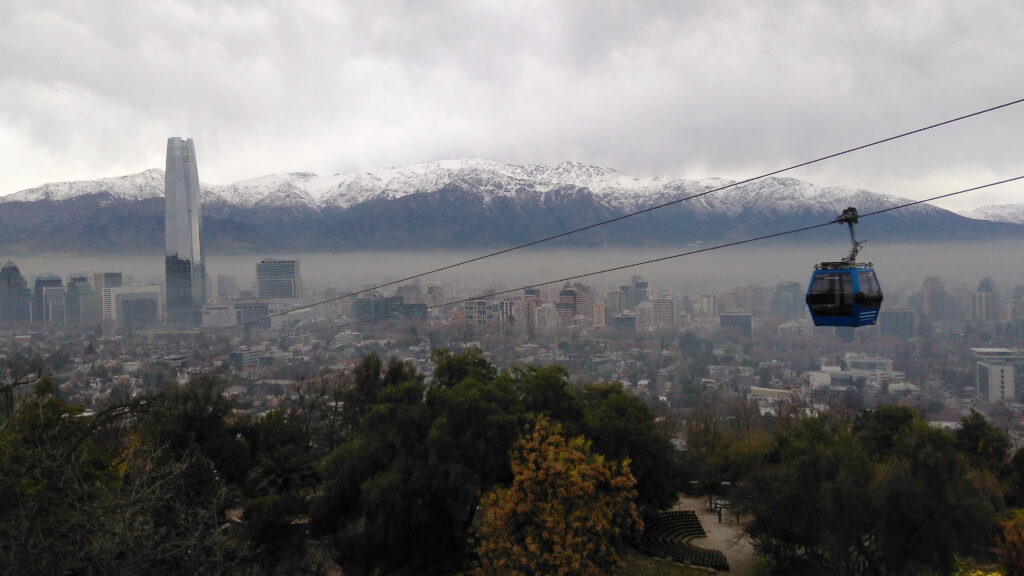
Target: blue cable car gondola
[(844, 293)]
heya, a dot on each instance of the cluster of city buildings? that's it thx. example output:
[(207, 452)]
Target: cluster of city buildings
[(100, 300), (104, 300), (190, 302)]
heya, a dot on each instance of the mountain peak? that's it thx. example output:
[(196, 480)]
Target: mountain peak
[(1009, 213)]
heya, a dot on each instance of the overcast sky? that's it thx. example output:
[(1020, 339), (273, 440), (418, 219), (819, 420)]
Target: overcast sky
[(693, 89)]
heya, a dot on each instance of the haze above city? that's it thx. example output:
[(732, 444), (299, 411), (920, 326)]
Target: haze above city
[(901, 267), (725, 89)]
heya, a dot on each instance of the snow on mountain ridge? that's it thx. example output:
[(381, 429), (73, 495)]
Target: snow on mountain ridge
[(491, 179), (146, 184), (1009, 213)]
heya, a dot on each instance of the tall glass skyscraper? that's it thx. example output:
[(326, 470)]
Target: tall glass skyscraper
[(15, 297), (185, 266)]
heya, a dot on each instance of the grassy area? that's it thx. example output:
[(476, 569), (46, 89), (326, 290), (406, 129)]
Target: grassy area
[(638, 564)]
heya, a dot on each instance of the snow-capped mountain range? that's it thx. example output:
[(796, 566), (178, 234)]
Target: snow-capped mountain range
[(457, 204), (490, 179)]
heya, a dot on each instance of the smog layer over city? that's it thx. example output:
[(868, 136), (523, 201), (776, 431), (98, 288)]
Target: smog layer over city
[(484, 288), (902, 266)]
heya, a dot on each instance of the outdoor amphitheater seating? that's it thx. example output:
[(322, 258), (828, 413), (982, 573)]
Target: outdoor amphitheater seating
[(667, 535)]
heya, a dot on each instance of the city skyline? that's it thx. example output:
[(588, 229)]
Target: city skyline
[(599, 302)]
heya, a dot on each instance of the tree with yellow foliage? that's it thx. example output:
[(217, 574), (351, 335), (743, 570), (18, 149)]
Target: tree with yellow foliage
[(563, 513), (1010, 543)]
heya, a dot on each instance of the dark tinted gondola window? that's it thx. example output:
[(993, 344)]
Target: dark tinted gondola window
[(831, 294), (869, 283), (870, 292)]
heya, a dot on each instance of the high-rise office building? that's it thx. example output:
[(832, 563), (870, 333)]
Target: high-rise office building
[(435, 295), (53, 305), (984, 302), (626, 297), (81, 303), (131, 308), (478, 311), (566, 305), (600, 314), (995, 382), (278, 279), (898, 321), (227, 286), (644, 314), (38, 302), (105, 302), (788, 301), (663, 311), (547, 317), (185, 265), (567, 296), (742, 323), (511, 311), (640, 291), (584, 301), (15, 297), (933, 292), (103, 280), (616, 303), (137, 310), (252, 315)]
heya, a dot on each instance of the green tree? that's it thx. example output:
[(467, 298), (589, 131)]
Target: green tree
[(930, 504), (563, 513), (450, 369), (1015, 494), (891, 496), (622, 427), (546, 390), (379, 502), (318, 408), (403, 493), (83, 496), (881, 431), (809, 501), (984, 445), (45, 481)]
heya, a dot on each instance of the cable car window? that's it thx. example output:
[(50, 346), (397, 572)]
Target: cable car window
[(831, 294), (869, 283), (870, 292)]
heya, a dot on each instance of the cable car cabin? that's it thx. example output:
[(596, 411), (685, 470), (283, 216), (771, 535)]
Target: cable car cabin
[(844, 294)]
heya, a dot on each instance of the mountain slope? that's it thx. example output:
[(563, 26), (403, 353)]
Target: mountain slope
[(456, 204)]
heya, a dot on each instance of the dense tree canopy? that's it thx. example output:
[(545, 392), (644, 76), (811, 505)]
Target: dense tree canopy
[(889, 495), (81, 497), (381, 470), (404, 490)]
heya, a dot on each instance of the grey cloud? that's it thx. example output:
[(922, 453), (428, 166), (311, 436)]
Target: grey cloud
[(697, 89)]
